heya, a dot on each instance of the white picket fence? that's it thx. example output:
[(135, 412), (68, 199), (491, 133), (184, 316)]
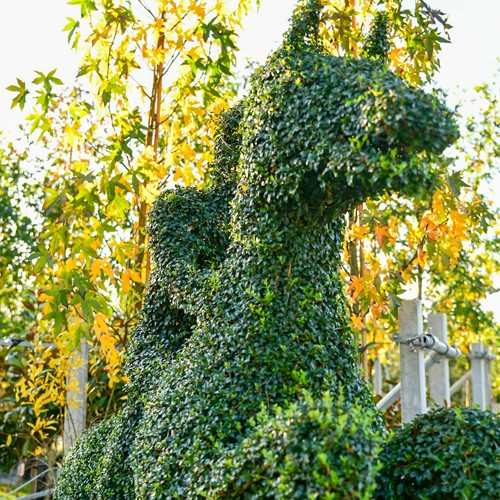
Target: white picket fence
[(413, 343)]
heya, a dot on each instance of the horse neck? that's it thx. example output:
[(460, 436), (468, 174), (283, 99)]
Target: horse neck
[(284, 240)]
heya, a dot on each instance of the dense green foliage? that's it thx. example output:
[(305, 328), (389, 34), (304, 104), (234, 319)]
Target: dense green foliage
[(193, 222), (377, 44), (244, 327), (83, 464), (19, 194), (447, 453), (313, 449)]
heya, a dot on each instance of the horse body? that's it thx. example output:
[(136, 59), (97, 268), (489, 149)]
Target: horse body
[(316, 142), (251, 313)]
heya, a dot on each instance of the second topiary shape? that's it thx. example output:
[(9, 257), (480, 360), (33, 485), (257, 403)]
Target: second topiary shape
[(244, 364)]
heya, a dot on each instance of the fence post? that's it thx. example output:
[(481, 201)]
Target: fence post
[(377, 377), (76, 398), (479, 377), (412, 367), (439, 375), (487, 368)]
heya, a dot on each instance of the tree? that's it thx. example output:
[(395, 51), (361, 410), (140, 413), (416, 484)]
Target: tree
[(19, 193), (153, 75)]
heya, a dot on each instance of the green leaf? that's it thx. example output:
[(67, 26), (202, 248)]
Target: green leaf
[(71, 27), (22, 92), (86, 6), (40, 263), (456, 183), (87, 310)]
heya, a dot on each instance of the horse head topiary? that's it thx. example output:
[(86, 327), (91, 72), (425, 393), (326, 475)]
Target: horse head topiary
[(246, 312), (328, 132)]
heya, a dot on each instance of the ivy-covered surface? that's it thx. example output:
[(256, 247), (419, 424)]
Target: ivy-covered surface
[(82, 467), (244, 380), (315, 448), (447, 453)]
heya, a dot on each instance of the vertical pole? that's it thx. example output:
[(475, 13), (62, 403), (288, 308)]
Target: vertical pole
[(439, 375), (76, 398), (412, 366), (468, 393), (488, 389), (377, 377), (477, 364)]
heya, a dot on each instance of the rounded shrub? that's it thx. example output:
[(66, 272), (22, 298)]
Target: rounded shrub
[(321, 448), (446, 453), (81, 469)]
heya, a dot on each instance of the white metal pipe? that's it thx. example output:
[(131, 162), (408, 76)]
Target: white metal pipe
[(389, 398), (39, 494), (23, 343), (431, 342), (19, 488)]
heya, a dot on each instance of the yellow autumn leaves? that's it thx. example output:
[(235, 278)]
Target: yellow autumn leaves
[(143, 112)]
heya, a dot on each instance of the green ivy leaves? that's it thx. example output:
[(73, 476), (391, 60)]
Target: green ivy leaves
[(244, 373), (447, 453)]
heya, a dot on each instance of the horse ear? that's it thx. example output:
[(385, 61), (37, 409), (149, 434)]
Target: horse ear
[(303, 33), (377, 42)]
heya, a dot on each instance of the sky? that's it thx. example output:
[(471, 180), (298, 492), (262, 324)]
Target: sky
[(31, 38)]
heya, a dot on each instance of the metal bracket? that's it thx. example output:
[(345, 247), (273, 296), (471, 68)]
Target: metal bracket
[(488, 356), (410, 341)]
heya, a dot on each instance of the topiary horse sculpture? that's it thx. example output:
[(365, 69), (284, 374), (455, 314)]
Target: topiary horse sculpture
[(244, 375)]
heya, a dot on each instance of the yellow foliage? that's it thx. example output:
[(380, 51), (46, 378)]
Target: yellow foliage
[(357, 321), (129, 275), (72, 135), (357, 232)]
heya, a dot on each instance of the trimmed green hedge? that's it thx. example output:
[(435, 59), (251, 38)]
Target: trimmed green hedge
[(316, 448), (444, 454), (82, 466)]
